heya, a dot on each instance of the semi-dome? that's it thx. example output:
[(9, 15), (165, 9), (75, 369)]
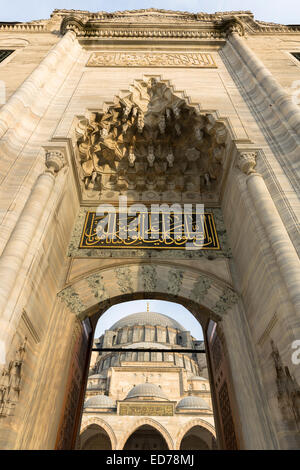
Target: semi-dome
[(147, 318), (192, 402), (146, 390), (100, 401)]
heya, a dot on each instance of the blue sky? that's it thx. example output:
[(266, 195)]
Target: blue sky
[(176, 311), (277, 11)]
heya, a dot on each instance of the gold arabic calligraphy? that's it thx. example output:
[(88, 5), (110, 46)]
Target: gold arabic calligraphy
[(148, 230)]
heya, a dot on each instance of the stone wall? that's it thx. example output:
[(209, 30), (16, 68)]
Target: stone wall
[(42, 115)]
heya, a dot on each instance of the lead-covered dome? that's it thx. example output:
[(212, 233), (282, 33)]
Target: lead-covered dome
[(147, 318), (100, 401), (146, 390), (191, 403)]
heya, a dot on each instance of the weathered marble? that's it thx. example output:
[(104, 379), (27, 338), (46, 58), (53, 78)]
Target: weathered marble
[(250, 287)]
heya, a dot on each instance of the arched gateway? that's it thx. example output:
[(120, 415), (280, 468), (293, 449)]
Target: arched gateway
[(168, 132)]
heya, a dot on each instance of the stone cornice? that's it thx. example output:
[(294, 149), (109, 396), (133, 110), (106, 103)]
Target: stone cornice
[(151, 23), (32, 27), (200, 25)]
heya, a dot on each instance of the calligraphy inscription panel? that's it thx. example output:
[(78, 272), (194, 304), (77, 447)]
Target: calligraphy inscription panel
[(178, 231), (145, 410), (153, 59)]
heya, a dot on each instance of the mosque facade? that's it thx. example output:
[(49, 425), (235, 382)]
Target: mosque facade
[(107, 122), (144, 399)]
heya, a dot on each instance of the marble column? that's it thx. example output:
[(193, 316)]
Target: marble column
[(27, 92), (269, 84), (285, 254), (21, 237)]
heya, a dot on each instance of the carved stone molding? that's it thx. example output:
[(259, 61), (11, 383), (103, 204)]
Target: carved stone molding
[(196, 25), (30, 27), (246, 162), (150, 141), (233, 25), (155, 23), (200, 288), (10, 382), (128, 279), (288, 391), (72, 300), (153, 59), (226, 300)]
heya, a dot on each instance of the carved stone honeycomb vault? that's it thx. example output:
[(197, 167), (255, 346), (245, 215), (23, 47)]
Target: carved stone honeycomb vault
[(151, 144)]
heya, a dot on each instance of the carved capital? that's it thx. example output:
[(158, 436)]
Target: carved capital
[(55, 161), (72, 23), (246, 162), (233, 25)]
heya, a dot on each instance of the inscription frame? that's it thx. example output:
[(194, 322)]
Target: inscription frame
[(145, 409), (151, 59), (89, 237)]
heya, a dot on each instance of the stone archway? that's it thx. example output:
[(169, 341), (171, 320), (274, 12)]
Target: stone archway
[(197, 289), (147, 422), (95, 438), (203, 293), (189, 426), (146, 438), (95, 420), (267, 265), (197, 438)]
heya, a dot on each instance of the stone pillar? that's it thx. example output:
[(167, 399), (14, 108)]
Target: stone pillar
[(263, 76), (285, 254), (21, 237), (36, 80)]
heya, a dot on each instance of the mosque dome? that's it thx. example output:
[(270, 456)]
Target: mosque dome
[(100, 401), (146, 390), (147, 318), (192, 402)]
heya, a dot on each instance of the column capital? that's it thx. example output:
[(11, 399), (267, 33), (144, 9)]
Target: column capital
[(246, 162), (54, 161), (233, 25)]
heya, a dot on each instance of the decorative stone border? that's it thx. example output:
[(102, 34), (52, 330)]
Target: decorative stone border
[(108, 286)]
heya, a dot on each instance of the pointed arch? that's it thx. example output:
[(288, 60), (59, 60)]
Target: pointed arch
[(150, 422), (189, 425), (102, 424), (99, 290)]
